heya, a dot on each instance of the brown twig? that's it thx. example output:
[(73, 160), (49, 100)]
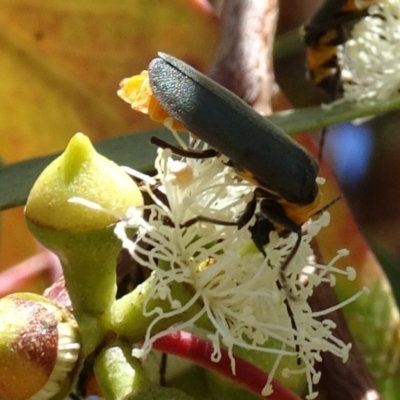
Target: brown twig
[(243, 61)]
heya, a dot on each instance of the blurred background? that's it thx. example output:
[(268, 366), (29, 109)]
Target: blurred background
[(364, 155), (61, 64)]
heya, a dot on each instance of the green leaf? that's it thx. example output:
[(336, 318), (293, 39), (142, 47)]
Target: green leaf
[(16, 180)]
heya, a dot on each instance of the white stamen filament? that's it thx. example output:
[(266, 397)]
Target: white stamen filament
[(370, 63), (237, 289)]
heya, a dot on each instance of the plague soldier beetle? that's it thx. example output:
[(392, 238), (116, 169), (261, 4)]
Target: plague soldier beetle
[(287, 194), (261, 153), (285, 173), (329, 28)]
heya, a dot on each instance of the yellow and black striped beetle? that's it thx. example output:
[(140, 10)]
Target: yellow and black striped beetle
[(329, 28)]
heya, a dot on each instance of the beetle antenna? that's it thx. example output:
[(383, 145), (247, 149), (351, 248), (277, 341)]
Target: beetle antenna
[(292, 321), (322, 141), (326, 206)]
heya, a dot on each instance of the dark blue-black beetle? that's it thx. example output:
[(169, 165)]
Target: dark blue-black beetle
[(261, 153), (218, 117), (285, 173)]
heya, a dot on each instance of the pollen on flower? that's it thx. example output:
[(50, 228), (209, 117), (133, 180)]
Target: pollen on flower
[(181, 173), (185, 235), (371, 58)]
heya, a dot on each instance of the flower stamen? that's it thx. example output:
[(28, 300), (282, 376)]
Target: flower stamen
[(236, 287)]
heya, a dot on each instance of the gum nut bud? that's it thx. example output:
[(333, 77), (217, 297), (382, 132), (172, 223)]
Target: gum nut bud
[(80, 172), (39, 348)]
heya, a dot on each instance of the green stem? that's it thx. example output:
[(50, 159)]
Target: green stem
[(89, 262), (312, 118), (127, 317)]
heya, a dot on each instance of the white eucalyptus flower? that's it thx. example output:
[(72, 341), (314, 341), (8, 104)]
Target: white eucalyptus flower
[(370, 62), (236, 285)]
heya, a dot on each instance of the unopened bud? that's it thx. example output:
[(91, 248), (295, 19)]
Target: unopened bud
[(39, 348)]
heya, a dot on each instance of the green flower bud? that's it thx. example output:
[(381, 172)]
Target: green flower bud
[(39, 348), (83, 236), (119, 373), (80, 172)]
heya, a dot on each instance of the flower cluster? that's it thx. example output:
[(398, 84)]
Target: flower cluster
[(370, 60), (187, 236)]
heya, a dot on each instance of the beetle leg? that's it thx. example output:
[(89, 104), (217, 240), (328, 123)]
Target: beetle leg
[(179, 151), (283, 268), (292, 322), (199, 218), (260, 231), (276, 214), (163, 369), (248, 212)]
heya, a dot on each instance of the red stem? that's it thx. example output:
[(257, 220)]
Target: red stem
[(198, 351), (16, 279)]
